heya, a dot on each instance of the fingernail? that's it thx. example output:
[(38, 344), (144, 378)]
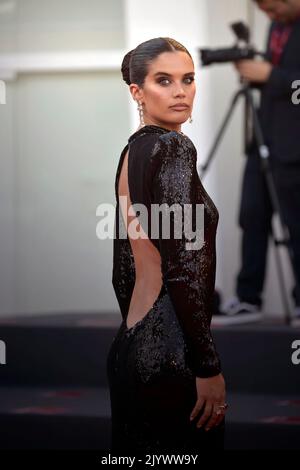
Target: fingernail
[(199, 425), (207, 429), (191, 417)]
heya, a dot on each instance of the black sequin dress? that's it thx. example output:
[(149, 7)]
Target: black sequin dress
[(151, 367)]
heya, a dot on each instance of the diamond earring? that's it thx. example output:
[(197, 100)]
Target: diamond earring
[(141, 113)]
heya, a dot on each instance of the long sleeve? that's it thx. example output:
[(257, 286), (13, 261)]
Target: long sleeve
[(189, 275)]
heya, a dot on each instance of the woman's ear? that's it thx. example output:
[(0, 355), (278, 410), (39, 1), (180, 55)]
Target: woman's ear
[(135, 91)]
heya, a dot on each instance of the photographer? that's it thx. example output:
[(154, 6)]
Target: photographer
[(280, 121)]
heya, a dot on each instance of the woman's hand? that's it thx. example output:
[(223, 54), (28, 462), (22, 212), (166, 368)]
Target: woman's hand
[(211, 399)]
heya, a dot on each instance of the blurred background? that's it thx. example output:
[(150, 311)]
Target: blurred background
[(67, 117)]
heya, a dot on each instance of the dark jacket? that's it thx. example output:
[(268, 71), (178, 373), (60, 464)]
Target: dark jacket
[(279, 116)]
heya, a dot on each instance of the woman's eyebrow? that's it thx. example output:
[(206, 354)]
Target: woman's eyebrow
[(170, 75)]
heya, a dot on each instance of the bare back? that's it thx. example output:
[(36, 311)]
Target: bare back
[(147, 261)]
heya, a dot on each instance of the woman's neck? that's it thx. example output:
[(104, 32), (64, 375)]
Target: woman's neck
[(175, 128)]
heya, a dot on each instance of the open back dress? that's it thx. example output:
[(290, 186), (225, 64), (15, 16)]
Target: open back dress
[(152, 366)]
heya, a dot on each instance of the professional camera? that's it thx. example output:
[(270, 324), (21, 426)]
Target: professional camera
[(241, 50)]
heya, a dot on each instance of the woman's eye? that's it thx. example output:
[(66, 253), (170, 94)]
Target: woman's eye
[(191, 79), (163, 80)]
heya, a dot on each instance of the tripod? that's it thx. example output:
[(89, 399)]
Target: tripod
[(264, 154)]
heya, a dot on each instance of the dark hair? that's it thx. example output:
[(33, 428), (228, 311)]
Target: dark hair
[(135, 63)]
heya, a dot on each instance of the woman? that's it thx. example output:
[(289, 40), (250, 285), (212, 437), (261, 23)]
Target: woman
[(166, 387)]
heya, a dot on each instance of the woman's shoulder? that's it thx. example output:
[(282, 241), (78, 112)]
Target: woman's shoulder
[(176, 143), (174, 149), (155, 142)]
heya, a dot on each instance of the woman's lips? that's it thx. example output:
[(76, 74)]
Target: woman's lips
[(179, 107)]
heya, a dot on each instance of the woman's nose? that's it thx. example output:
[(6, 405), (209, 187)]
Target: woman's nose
[(179, 91)]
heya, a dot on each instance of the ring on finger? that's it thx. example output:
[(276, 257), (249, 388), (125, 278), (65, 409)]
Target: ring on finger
[(224, 407), (221, 409)]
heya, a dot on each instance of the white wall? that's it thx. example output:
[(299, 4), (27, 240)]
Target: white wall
[(60, 136)]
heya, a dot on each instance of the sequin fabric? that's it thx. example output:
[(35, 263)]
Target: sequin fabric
[(151, 367)]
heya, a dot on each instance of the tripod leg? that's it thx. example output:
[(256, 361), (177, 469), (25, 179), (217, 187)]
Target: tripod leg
[(221, 131), (285, 299)]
